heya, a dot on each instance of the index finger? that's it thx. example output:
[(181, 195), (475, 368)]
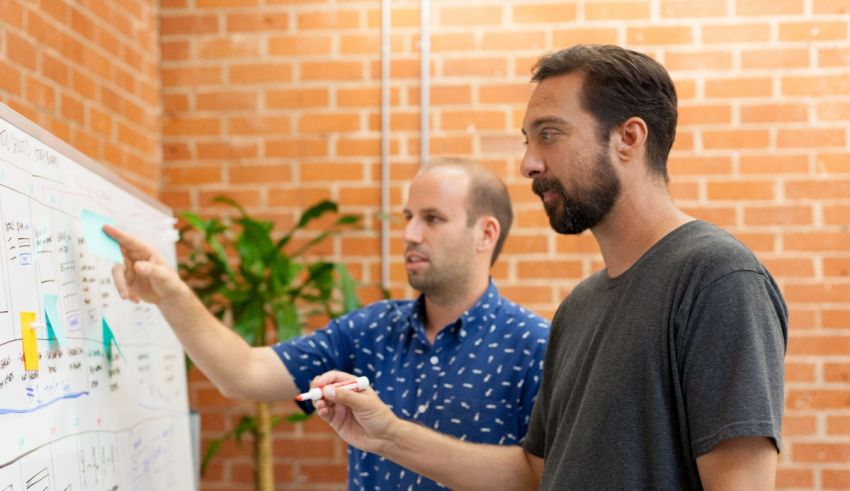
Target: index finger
[(331, 377), (129, 244)]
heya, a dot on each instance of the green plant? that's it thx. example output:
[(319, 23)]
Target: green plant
[(265, 289)]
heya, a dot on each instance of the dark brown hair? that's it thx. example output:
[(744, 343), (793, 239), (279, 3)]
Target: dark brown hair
[(618, 85)]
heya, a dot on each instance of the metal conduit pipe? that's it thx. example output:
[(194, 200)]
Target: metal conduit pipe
[(424, 79), (385, 143)]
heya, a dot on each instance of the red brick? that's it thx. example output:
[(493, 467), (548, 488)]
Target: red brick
[(834, 57), (833, 111), (692, 8), (794, 478), (838, 425), (590, 35), (816, 241), (736, 139), (768, 7), (606, 10), (259, 174), (819, 189), (453, 41), (258, 73), (192, 175), (821, 452), (473, 120), (698, 60), (822, 85), (296, 98), (338, 70), (248, 22), (298, 45), (812, 31), (328, 20), (469, 16), (736, 33), (544, 13), (782, 215), (254, 125), (226, 101), (20, 50), (773, 113), (515, 41), (659, 35), (188, 24), (479, 67), (774, 164), (237, 47), (739, 87)]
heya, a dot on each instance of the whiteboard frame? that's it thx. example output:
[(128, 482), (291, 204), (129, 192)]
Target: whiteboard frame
[(29, 127)]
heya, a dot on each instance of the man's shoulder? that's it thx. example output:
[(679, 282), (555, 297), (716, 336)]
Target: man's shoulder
[(715, 251), (517, 316)]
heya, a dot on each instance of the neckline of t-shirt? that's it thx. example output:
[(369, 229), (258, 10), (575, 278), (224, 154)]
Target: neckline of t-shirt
[(609, 282)]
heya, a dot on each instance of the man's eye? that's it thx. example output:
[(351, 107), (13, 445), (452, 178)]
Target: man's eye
[(432, 219), (547, 135)]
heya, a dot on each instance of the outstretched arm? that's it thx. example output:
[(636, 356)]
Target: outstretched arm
[(237, 369), (363, 421), (741, 463)]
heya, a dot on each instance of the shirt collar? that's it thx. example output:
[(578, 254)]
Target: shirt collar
[(484, 307)]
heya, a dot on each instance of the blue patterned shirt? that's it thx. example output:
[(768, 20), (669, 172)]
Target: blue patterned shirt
[(477, 382)]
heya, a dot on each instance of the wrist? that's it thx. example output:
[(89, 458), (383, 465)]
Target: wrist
[(179, 297), (395, 432)]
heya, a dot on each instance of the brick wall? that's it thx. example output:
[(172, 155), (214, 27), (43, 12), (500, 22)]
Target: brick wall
[(277, 104), (89, 73)]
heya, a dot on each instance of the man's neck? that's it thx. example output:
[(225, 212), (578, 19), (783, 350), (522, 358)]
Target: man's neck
[(635, 224), (441, 310)]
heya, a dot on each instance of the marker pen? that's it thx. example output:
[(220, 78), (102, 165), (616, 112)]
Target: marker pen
[(315, 393)]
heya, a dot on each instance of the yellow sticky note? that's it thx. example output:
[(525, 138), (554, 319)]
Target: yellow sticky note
[(28, 337)]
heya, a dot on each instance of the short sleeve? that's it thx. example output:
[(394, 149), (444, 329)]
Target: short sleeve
[(731, 360), (307, 357), (533, 373)]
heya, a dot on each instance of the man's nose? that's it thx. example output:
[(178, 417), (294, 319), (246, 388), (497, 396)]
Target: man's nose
[(413, 231), (531, 164)]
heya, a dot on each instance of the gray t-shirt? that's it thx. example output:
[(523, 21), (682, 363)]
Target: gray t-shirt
[(649, 370)]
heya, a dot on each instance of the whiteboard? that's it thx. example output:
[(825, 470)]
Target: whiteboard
[(92, 388)]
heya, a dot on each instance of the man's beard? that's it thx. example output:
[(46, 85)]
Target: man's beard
[(587, 207)]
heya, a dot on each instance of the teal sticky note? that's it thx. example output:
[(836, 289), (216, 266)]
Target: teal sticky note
[(54, 324), (97, 241), (109, 340)]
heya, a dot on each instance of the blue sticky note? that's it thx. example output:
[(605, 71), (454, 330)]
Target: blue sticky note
[(54, 325), (97, 241), (109, 340)]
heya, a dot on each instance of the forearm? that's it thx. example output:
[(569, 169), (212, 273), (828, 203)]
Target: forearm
[(458, 464), (224, 357)]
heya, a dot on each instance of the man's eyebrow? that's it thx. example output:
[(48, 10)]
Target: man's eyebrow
[(546, 120)]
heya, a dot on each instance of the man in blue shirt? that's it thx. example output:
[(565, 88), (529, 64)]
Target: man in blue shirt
[(460, 359)]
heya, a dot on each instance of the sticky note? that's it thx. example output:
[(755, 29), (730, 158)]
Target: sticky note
[(97, 241), (55, 331), (28, 338), (109, 339)]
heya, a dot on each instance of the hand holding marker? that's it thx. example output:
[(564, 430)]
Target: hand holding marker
[(315, 393)]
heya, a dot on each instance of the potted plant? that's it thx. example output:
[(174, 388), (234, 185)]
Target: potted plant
[(266, 289)]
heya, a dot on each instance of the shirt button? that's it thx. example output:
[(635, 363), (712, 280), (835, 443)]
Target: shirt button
[(423, 408), (434, 360)]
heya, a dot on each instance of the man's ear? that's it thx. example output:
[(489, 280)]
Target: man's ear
[(630, 139), (489, 233)]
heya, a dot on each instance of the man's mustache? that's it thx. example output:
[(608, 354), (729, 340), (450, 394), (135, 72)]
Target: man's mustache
[(540, 186)]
